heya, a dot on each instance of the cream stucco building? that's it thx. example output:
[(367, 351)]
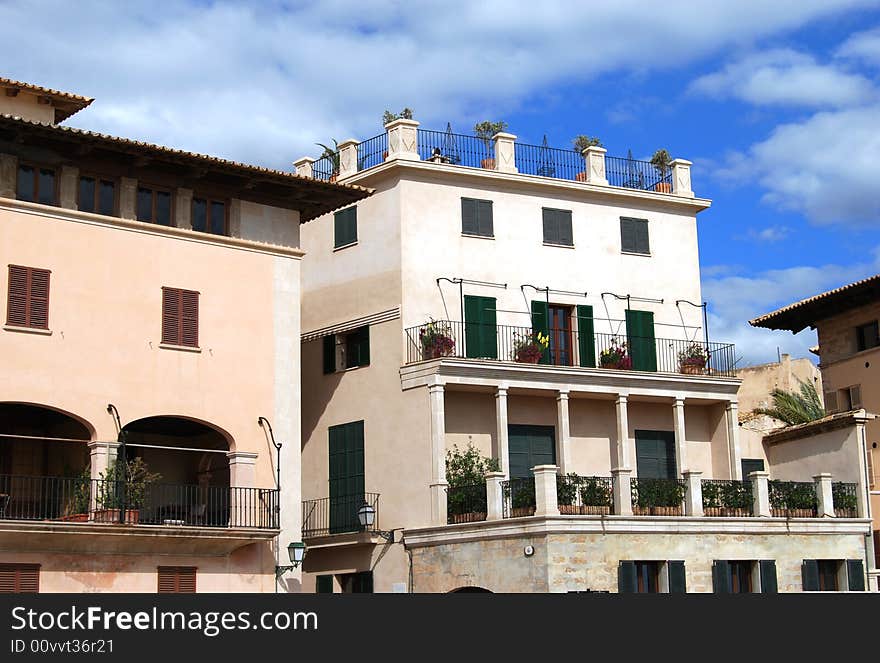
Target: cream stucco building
[(621, 466), (151, 299)]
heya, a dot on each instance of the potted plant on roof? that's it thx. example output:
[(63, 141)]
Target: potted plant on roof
[(529, 348), (580, 143), (436, 341), (661, 161), (123, 486), (692, 360), (332, 156), (484, 131), (615, 356)]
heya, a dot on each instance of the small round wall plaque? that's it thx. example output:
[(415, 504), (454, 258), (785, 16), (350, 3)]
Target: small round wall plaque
[(529, 551)]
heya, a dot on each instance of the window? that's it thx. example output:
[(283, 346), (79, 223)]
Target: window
[(832, 575), (347, 350), (28, 300), (97, 194), (180, 317), (867, 336), (154, 205), (209, 216), (655, 454), (651, 577), (177, 579), (634, 236), (848, 399), (750, 465), (346, 473), (345, 227), (19, 578), (324, 584), (357, 583), (36, 184), (476, 217), (744, 576), (557, 227)]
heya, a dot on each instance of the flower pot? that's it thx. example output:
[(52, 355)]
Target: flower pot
[(590, 510), (569, 509), (665, 511), (663, 187), (488, 164), (384, 155), (641, 511), (75, 518), (522, 512), (430, 352), (692, 369), (472, 517), (333, 178), (112, 516), (581, 176)]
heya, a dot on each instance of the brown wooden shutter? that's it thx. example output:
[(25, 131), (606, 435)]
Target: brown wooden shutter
[(171, 315), (28, 301), (16, 307), (177, 579), (19, 578), (831, 402), (189, 318), (855, 397), (38, 301)]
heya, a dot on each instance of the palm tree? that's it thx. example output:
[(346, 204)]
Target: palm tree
[(792, 408)]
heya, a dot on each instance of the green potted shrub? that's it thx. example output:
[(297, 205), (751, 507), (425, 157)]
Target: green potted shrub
[(580, 143), (123, 486), (692, 360), (436, 341), (595, 494), (566, 493), (78, 504), (661, 160), (484, 131), (466, 471), (529, 348)]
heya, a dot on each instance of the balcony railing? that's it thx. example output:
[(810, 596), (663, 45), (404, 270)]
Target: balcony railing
[(446, 338), (727, 498), (576, 495), (72, 499), (466, 504), (455, 149), (845, 500), (372, 152), (658, 497), (550, 162), (338, 515), (518, 497), (326, 168), (634, 174), (793, 499)]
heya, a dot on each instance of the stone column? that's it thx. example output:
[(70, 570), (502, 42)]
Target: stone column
[(235, 217), (128, 197), (68, 187), (102, 455), (545, 490), (733, 453), (824, 496), (502, 433), (693, 504), (494, 495), (620, 486), (243, 505), (594, 161), (681, 464), (623, 455), (403, 141), (760, 494), (563, 442), (348, 158), (8, 175), (242, 469), (183, 199), (681, 177), (505, 161), (439, 485), (863, 505), (303, 166)]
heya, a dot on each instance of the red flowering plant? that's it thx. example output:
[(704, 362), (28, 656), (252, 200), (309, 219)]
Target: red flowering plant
[(529, 348), (615, 356), (436, 340)]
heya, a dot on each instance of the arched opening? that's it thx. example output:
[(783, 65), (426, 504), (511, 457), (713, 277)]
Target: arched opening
[(470, 590), (44, 462)]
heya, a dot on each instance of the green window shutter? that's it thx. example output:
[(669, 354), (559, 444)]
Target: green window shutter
[(642, 243), (345, 227), (586, 336), (655, 454), (485, 225), (330, 354), (346, 451), (641, 341), (551, 226), (364, 346), (566, 235), (855, 575), (768, 576), (472, 321), (627, 235), (490, 329), (750, 465), (324, 585), (677, 580), (721, 581), (469, 224), (480, 329), (541, 324), (627, 582), (362, 583), (810, 575)]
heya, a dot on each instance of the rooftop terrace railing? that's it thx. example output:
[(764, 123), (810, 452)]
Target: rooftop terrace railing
[(550, 162)]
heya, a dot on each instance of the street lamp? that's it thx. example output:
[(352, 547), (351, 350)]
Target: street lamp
[(297, 553), (367, 516)]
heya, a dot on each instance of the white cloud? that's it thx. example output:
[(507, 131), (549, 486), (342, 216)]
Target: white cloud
[(769, 234), (788, 78), (264, 82), (862, 46)]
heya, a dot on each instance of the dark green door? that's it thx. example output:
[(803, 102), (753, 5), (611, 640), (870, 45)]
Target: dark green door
[(586, 338), (640, 337), (529, 446), (346, 476), (480, 331), (655, 454)]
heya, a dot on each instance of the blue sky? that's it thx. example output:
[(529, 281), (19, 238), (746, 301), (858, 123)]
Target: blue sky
[(777, 104)]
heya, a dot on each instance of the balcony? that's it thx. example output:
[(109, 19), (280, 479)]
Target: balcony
[(335, 516), (506, 343)]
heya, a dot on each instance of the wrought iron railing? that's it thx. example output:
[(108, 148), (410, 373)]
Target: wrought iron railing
[(550, 162), (456, 149), (466, 504), (338, 515), (727, 498), (658, 497), (518, 497), (634, 174), (793, 499), (326, 168), (445, 338), (74, 499), (845, 499), (584, 495), (372, 152)]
